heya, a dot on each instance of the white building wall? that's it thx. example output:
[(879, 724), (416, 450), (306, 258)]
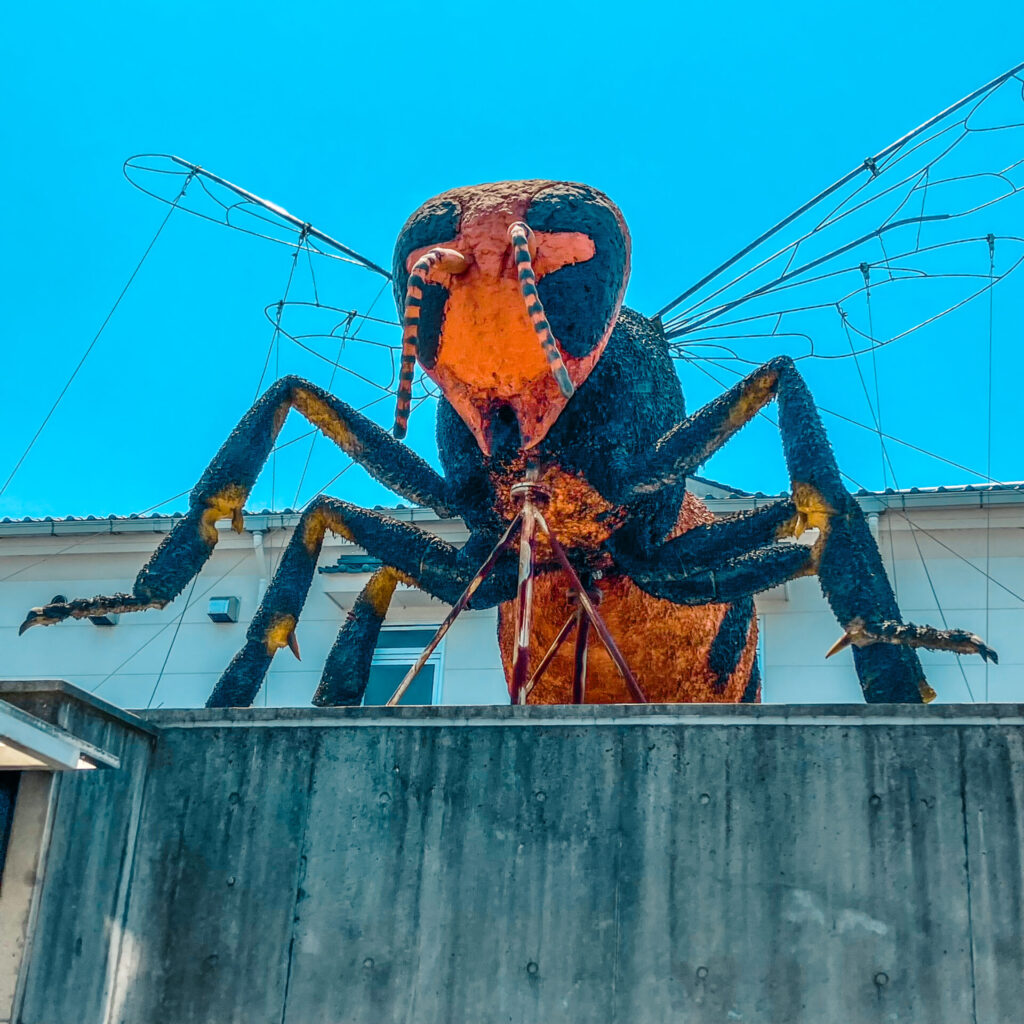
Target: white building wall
[(135, 663)]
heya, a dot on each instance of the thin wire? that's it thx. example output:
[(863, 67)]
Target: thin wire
[(277, 324), (167, 625), (913, 526), (877, 413), (885, 456), (275, 347), (935, 598), (96, 336), (170, 646), (988, 445), (334, 371), (889, 507), (100, 533)]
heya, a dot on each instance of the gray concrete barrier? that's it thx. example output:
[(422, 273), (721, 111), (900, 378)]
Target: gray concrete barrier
[(595, 864)]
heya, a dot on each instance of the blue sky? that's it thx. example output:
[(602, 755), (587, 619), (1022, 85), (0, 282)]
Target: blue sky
[(706, 123)]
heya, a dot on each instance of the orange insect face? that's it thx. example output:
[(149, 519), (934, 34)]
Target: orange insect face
[(510, 293)]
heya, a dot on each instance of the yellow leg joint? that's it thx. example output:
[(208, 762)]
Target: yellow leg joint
[(756, 395), (813, 512), (281, 634), (381, 588), (317, 523), (225, 504), (321, 415)]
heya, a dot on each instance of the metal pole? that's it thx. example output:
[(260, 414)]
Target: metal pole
[(457, 608), (529, 490), (602, 630), (579, 669), (563, 633), (282, 213)]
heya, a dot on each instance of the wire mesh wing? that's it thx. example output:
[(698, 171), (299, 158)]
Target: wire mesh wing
[(332, 322), (915, 232), (204, 194)]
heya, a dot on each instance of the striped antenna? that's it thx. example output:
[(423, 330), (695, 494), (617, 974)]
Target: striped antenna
[(520, 236), (449, 261)]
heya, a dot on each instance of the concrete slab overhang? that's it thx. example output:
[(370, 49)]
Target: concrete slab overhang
[(52, 725)]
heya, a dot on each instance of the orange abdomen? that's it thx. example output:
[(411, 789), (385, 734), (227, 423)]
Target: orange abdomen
[(667, 645)]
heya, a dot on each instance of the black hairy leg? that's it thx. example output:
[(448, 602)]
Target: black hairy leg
[(845, 556), (225, 485), (412, 555)]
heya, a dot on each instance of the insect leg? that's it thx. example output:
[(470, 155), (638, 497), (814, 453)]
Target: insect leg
[(412, 555), (224, 487), (849, 566), (730, 580), (347, 669), (712, 543)]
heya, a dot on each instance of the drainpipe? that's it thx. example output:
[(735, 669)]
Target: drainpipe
[(261, 563), (873, 524)]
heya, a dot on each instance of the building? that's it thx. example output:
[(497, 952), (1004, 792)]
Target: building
[(956, 555)]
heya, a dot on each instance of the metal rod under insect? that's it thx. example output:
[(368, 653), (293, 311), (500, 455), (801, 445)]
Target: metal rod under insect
[(588, 606), (550, 653), (457, 608)]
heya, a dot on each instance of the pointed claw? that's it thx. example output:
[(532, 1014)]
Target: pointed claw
[(46, 615), (959, 641), (844, 641), (34, 618), (293, 644), (987, 654)]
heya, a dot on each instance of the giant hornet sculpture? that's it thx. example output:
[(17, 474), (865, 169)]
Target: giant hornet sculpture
[(512, 296)]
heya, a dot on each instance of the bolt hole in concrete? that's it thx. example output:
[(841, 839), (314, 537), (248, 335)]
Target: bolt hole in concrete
[(384, 799), (705, 798), (233, 799), (702, 973), (881, 978), (368, 964), (540, 796), (875, 800), (532, 968)]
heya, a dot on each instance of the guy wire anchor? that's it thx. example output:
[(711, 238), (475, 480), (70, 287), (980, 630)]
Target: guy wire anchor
[(528, 521)]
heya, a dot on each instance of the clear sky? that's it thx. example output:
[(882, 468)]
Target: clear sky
[(705, 122)]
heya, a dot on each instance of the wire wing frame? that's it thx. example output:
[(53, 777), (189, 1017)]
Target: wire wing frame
[(198, 191), (921, 228)]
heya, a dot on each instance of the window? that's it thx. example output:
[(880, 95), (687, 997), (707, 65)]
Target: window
[(397, 651)]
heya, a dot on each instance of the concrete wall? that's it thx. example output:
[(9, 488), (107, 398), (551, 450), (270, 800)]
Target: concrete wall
[(615, 864)]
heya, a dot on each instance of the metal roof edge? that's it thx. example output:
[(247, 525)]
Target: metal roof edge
[(976, 495)]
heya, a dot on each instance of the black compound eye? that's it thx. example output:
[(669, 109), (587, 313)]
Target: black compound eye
[(434, 223), (581, 299)]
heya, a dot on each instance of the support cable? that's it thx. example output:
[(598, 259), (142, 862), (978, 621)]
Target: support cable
[(913, 526), (352, 317), (275, 348), (96, 337), (988, 445), (138, 650), (889, 507), (170, 646)]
